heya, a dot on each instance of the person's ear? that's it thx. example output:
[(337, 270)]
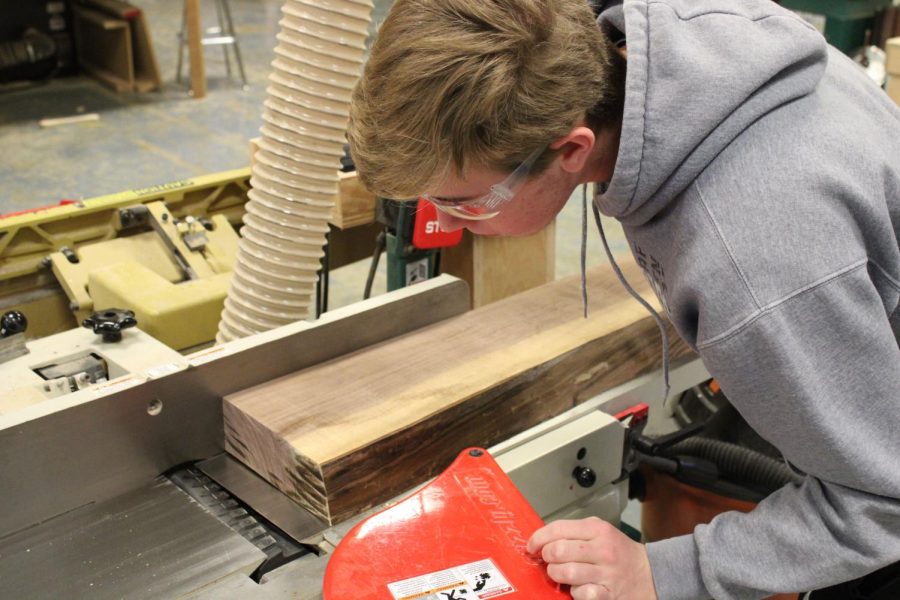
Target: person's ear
[(575, 148)]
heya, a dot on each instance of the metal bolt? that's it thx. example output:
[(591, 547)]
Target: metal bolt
[(476, 453)]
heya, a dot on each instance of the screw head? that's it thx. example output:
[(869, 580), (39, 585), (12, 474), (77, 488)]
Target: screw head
[(476, 453)]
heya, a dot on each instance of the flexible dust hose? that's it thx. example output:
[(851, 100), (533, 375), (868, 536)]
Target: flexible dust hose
[(294, 177), (740, 464)]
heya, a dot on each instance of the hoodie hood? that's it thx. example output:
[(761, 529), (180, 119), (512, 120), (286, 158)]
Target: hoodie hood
[(690, 92)]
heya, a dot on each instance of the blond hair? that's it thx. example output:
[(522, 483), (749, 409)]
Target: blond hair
[(453, 84)]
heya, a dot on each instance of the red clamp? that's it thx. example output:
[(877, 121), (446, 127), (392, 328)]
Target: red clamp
[(637, 413)]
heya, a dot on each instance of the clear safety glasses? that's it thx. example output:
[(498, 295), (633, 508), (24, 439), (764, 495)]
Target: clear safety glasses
[(488, 206)]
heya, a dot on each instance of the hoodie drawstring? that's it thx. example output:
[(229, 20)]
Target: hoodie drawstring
[(664, 334), (584, 294)]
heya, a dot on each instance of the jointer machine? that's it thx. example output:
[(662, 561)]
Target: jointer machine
[(169, 481)]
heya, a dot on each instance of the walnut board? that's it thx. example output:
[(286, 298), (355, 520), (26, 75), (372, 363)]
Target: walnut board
[(342, 436)]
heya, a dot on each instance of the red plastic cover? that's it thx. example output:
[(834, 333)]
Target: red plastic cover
[(461, 537), (427, 232)]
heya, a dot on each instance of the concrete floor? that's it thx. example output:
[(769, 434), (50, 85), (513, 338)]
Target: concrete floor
[(147, 139)]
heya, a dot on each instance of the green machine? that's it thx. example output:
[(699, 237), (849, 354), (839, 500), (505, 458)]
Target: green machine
[(413, 239), (407, 264), (843, 22)]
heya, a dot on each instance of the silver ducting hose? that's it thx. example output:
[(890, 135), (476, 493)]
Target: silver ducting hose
[(319, 56)]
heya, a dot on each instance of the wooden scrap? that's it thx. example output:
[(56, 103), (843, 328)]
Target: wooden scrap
[(57, 121)]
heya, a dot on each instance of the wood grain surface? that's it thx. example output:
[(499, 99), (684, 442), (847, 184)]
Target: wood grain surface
[(344, 435), (499, 267)]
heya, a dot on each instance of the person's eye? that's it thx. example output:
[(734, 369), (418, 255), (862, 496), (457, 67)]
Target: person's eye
[(454, 201)]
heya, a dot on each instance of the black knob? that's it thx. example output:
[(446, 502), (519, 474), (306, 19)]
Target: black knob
[(12, 323), (110, 322), (585, 476)]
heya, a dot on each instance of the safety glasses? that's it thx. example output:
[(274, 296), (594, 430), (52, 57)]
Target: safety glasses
[(487, 206)]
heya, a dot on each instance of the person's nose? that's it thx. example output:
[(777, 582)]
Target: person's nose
[(449, 222)]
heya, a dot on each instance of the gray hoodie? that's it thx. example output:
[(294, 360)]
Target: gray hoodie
[(758, 182)]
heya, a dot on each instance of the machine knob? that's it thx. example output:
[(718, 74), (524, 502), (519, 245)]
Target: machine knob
[(110, 322), (12, 323), (585, 476)]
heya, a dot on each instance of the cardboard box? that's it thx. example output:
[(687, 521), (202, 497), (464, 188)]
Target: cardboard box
[(892, 62)]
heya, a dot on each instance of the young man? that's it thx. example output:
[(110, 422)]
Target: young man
[(756, 169)]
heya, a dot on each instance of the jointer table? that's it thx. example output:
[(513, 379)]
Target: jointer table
[(127, 491)]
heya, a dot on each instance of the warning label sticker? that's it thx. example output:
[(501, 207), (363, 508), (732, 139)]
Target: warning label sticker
[(417, 272), (474, 581)]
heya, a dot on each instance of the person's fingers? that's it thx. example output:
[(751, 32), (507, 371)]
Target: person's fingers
[(583, 529), (574, 573), (591, 591), (563, 551)]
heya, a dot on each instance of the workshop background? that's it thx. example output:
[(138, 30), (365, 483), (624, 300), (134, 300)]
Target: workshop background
[(142, 140)]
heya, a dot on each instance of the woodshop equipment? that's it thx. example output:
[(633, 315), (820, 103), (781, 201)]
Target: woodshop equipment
[(81, 228), (174, 277), (234, 472)]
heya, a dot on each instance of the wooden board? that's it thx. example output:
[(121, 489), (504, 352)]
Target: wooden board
[(343, 436), (355, 205), (195, 48), (892, 56), (498, 267)]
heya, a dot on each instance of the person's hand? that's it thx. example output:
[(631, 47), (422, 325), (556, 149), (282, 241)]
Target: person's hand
[(596, 559)]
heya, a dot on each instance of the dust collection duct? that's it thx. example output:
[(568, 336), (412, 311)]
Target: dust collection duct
[(294, 178)]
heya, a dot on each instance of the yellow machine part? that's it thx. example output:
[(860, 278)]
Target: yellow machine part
[(26, 240), (180, 315), (139, 273)]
